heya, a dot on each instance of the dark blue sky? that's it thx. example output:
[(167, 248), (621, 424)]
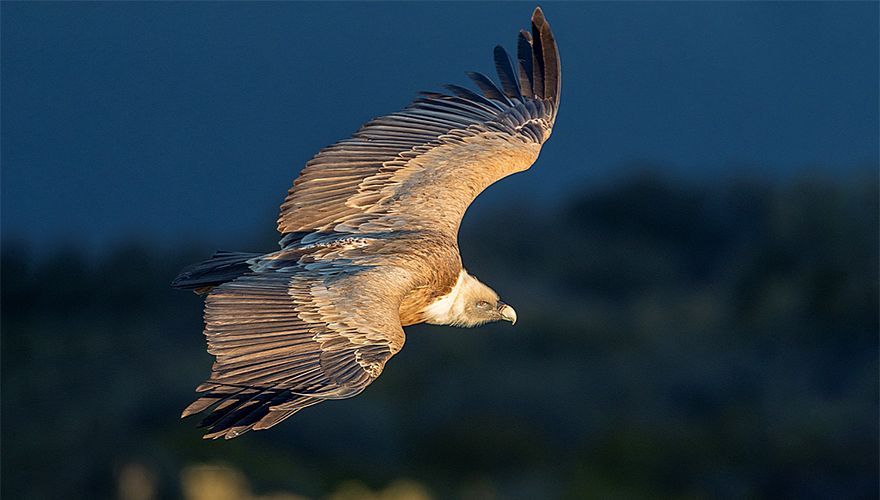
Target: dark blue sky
[(188, 121)]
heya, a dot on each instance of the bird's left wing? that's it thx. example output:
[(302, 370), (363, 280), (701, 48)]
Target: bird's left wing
[(420, 168), (292, 337)]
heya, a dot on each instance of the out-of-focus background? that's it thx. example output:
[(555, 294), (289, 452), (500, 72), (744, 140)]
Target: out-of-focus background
[(694, 257)]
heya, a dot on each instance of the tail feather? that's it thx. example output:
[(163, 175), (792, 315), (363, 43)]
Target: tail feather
[(220, 268)]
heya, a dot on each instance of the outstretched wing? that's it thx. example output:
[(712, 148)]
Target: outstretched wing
[(422, 167), (293, 336)]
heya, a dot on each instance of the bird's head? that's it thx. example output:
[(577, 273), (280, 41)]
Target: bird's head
[(470, 303)]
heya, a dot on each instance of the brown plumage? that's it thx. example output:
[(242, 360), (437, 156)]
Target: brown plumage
[(369, 246)]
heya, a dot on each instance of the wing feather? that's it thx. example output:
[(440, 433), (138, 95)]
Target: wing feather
[(549, 52), (524, 60), (509, 79), (537, 57)]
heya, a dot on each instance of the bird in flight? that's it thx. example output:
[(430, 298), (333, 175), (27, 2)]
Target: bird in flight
[(370, 245)]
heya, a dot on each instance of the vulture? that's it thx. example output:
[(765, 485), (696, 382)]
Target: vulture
[(369, 245)]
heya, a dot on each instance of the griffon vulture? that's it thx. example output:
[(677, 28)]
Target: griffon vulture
[(369, 245)]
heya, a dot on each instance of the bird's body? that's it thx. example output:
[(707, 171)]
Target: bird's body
[(370, 245), (426, 277)]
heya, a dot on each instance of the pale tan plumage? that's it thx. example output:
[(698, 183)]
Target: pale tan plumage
[(370, 245)]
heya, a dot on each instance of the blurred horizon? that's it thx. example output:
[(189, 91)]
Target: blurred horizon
[(266, 237)]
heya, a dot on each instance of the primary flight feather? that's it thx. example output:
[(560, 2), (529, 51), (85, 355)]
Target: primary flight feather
[(369, 245)]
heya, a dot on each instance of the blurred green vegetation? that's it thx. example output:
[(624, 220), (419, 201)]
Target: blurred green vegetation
[(676, 340)]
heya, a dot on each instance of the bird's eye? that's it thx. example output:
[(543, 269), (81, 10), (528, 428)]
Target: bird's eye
[(483, 305)]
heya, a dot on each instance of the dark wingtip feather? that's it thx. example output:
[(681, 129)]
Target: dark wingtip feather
[(550, 57), (537, 60), (524, 62), (508, 78)]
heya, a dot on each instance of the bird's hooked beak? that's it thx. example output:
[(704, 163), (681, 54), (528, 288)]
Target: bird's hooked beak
[(507, 313)]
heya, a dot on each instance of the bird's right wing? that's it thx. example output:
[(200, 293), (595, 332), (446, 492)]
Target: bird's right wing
[(303, 332), (420, 168)]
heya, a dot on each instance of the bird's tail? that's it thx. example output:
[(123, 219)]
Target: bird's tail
[(220, 268)]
